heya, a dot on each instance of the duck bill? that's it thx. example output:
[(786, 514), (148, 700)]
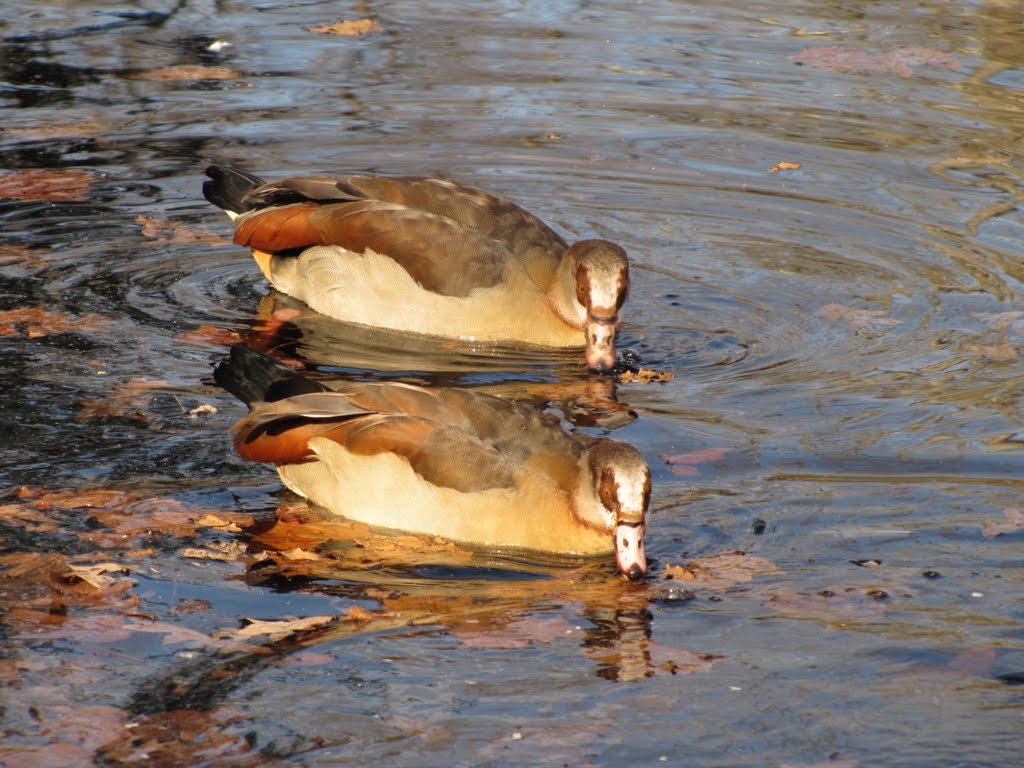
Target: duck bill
[(629, 550), (601, 334)]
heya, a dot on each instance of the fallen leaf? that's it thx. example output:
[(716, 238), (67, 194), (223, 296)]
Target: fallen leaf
[(213, 521), (190, 605), (360, 614), (187, 72), (646, 376), (844, 605), (721, 571), (126, 401), (678, 661), (997, 321), (521, 633), (173, 233), (43, 184), (278, 628), (56, 130), (858, 318), (298, 553), (121, 515), (1014, 522), (784, 166), (183, 737), (685, 464), (222, 551), (35, 322), (994, 351), (96, 575), (73, 733), (348, 27), (19, 254), (351, 542), (841, 58), (210, 335)]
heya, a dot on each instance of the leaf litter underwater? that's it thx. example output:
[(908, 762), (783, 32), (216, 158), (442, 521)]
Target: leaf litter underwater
[(824, 237)]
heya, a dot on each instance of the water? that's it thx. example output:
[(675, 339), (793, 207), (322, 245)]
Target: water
[(844, 335)]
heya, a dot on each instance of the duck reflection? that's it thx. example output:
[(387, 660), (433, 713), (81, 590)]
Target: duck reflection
[(335, 352)]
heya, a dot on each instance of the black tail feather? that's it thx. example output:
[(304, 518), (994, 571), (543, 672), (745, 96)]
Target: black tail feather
[(255, 377), (228, 185)]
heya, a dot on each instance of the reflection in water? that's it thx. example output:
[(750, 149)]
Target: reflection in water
[(849, 330), (503, 612), (339, 352)]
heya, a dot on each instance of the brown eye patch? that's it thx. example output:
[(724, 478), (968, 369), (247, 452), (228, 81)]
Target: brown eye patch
[(608, 491), (582, 285)]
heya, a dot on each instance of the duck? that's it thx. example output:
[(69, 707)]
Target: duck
[(473, 468), (428, 256)]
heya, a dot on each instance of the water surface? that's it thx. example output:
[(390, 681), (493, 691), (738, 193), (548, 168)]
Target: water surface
[(845, 339)]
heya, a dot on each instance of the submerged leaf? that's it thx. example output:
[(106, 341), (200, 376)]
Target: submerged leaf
[(858, 318), (842, 605), (348, 27), (126, 401), (187, 72), (1014, 522), (35, 322), (96, 575), (685, 464), (994, 351), (721, 571), (278, 628), (210, 335), (841, 58), (44, 184), (173, 233), (646, 376)]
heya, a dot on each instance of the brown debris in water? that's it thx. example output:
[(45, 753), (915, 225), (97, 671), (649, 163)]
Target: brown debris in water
[(902, 61), (646, 376), (36, 322), (994, 351), (210, 335), (721, 571), (42, 184), (860, 319), (1013, 523), (20, 255), (351, 27), (685, 464), (128, 401), (45, 131), (181, 72), (173, 233)]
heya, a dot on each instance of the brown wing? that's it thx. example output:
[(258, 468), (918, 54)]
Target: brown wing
[(280, 431), (416, 423), (438, 253), (446, 228), (472, 207)]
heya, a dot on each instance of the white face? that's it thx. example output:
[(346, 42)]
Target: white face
[(629, 549), (605, 290), (633, 493)]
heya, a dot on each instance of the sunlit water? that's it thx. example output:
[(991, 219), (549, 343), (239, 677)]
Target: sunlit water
[(845, 331)]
